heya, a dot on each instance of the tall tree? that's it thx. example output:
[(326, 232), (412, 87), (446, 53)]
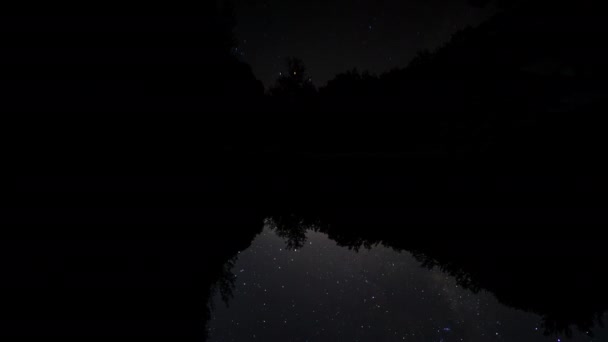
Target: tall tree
[(294, 82)]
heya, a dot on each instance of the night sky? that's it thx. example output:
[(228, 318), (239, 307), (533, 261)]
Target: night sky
[(333, 36)]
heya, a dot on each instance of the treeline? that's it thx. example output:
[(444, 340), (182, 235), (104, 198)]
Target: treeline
[(529, 81), (92, 59), (128, 88), (164, 83)]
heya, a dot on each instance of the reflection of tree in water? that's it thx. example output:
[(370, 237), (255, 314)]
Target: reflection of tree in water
[(531, 279), (292, 229), (535, 283), (219, 277), (553, 325), (463, 278), (225, 283)]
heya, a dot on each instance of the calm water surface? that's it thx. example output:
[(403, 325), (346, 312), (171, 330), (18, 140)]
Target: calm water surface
[(324, 292)]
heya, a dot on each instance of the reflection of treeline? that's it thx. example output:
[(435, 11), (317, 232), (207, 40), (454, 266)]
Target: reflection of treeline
[(558, 280), (561, 280)]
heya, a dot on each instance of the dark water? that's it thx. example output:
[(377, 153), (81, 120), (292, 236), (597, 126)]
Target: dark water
[(320, 291)]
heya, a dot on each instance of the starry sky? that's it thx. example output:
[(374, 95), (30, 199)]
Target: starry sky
[(333, 36), (324, 292)]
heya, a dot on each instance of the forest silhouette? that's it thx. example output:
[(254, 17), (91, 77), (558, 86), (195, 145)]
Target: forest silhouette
[(502, 124), (162, 92)]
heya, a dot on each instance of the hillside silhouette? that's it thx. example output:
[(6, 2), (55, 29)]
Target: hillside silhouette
[(162, 91), (96, 60), (524, 84), (123, 88)]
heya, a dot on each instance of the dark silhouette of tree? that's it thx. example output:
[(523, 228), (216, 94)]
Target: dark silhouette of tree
[(351, 86), (159, 59), (294, 83), (292, 228), (501, 90), (126, 88)]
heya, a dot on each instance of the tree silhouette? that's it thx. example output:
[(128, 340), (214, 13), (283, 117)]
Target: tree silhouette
[(162, 81), (294, 83), (167, 58)]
